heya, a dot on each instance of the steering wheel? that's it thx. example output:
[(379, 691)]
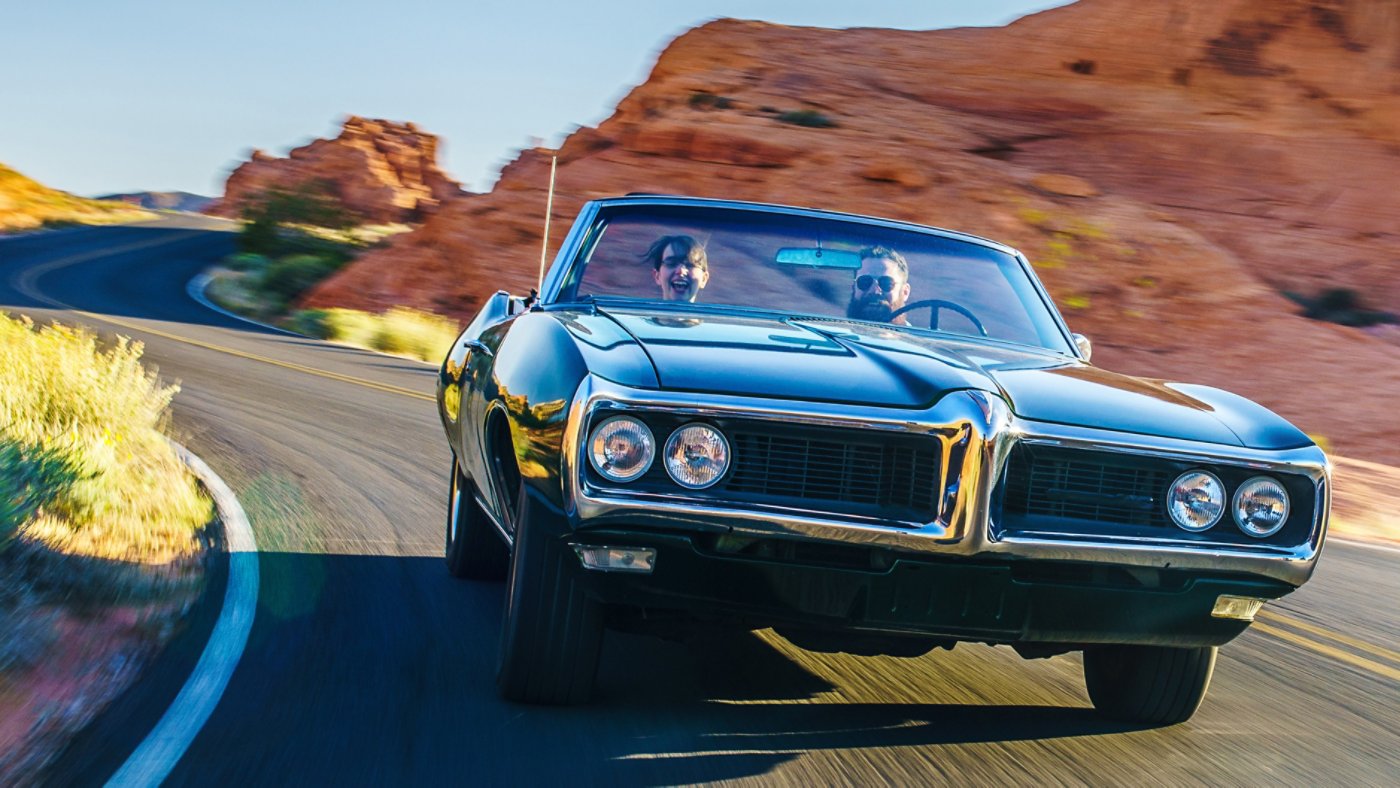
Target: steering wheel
[(936, 304)]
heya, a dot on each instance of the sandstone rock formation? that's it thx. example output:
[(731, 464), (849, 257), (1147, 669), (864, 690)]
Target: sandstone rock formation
[(1171, 168), (382, 171)]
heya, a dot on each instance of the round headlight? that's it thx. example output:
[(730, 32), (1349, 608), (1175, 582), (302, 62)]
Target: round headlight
[(1261, 506), (1196, 501), (621, 448), (697, 456)]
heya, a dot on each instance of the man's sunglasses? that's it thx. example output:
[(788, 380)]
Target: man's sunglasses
[(887, 283)]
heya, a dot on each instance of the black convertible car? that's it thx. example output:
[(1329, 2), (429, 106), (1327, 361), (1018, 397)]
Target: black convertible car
[(872, 436)]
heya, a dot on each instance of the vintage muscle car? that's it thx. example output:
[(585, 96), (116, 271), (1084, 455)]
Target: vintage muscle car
[(872, 436)]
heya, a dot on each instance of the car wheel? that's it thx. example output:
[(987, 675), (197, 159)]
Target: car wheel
[(552, 632), (1148, 684), (474, 550)]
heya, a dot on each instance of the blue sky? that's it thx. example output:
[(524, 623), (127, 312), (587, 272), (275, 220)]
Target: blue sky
[(150, 94)]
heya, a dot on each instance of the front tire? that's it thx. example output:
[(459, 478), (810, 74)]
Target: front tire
[(551, 633), (473, 550), (1156, 685)]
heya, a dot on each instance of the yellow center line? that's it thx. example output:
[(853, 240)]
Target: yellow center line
[(385, 387), (1359, 645), (1377, 668), (25, 283)]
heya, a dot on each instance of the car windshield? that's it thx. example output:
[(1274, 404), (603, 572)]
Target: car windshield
[(828, 267)]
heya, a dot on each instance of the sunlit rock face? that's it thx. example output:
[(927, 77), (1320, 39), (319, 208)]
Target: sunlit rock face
[(1171, 168), (380, 170)]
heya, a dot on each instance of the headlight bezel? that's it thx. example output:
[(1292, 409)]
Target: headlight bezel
[(675, 435), (649, 446), (1171, 500), (1239, 493)]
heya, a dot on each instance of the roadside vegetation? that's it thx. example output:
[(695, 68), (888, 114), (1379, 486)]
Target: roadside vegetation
[(1342, 306), (84, 467), (292, 240), (400, 331), (102, 534), (26, 204)]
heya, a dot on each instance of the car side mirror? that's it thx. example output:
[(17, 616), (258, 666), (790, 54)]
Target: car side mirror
[(1086, 348)]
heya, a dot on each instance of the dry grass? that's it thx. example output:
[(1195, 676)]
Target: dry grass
[(358, 236), (400, 330), (86, 421), (26, 204)]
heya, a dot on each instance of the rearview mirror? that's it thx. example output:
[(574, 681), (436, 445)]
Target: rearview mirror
[(817, 258)]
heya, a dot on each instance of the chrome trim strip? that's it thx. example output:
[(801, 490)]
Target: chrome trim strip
[(963, 527), (500, 529)]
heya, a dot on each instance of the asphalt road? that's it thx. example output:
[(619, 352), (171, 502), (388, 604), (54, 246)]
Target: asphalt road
[(368, 665)]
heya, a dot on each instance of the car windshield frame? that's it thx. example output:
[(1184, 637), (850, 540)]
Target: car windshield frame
[(560, 286)]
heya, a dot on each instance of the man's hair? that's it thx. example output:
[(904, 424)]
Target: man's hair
[(886, 253), (688, 246)]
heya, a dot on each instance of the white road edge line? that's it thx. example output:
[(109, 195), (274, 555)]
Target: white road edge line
[(197, 286), (163, 747), (195, 289)]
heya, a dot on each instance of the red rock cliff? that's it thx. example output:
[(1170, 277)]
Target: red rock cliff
[(1170, 167), (381, 170)]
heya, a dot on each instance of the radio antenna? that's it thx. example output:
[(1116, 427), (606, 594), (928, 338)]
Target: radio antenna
[(548, 212)]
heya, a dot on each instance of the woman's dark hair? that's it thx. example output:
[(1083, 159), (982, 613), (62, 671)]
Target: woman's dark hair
[(688, 246)]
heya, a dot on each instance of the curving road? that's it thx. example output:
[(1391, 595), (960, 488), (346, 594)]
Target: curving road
[(368, 665)]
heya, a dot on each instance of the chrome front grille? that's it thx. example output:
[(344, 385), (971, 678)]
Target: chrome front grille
[(882, 477), (1086, 486)]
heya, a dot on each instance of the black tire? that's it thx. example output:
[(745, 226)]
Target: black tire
[(1156, 685), (551, 633), (473, 548)]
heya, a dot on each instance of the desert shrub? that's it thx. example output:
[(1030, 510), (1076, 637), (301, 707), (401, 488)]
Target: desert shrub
[(403, 331), (246, 261), (1343, 306), (313, 202), (289, 276), (83, 457), (311, 322), (807, 117), (702, 100), (409, 332), (30, 479), (351, 326)]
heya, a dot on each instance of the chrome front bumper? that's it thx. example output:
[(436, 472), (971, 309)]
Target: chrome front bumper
[(976, 426)]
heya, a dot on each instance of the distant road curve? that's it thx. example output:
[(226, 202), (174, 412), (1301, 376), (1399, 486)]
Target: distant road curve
[(367, 664)]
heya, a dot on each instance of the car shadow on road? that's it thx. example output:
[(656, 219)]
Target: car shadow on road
[(380, 670)]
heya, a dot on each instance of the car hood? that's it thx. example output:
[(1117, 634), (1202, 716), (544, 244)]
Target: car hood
[(860, 363)]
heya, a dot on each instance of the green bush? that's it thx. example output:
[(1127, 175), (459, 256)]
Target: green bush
[(289, 276), (31, 478), (1343, 306), (246, 261), (704, 100), (315, 203), (807, 117), (311, 322)]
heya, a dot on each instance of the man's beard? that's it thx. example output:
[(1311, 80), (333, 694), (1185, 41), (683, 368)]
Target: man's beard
[(877, 310)]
